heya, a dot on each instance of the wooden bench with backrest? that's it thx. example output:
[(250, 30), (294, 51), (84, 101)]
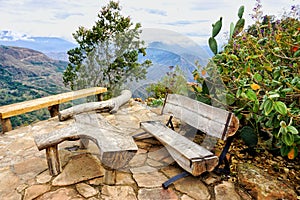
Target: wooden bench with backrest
[(192, 157), (52, 102)]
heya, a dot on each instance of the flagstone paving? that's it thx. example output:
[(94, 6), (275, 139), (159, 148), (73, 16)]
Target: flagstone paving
[(24, 174)]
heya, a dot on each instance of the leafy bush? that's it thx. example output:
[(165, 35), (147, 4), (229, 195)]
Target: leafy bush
[(260, 69), (173, 82)]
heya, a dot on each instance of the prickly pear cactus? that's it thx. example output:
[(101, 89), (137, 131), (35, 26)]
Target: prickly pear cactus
[(215, 31), (234, 30)]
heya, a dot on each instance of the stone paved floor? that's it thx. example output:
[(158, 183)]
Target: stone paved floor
[(24, 174)]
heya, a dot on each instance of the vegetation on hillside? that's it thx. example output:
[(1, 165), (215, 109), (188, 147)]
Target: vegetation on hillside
[(107, 55), (260, 71), (27, 74)]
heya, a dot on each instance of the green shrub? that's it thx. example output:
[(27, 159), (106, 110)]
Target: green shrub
[(173, 82), (260, 69)]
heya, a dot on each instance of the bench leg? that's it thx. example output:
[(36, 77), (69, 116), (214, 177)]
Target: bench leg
[(6, 125), (100, 97), (53, 160), (54, 110), (109, 177), (166, 184)]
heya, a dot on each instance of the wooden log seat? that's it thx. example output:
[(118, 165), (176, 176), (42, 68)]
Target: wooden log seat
[(116, 148), (52, 102), (213, 121)]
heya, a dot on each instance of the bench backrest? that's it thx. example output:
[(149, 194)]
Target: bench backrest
[(210, 120)]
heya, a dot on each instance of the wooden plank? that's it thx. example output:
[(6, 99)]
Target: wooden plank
[(190, 156), (36, 104), (211, 120), (112, 105)]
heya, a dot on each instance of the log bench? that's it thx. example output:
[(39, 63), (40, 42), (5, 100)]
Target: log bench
[(52, 102), (193, 158), (116, 149)]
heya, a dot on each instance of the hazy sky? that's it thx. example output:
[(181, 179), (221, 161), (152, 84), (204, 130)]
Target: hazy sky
[(192, 18)]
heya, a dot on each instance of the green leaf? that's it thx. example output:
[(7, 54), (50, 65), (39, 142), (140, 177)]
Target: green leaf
[(230, 99), (257, 77), (288, 139), (248, 136), (274, 95), (256, 106), (284, 150), (297, 53), (292, 130), (280, 107), (238, 93), (268, 106), (231, 29), (241, 11), (251, 95), (213, 45), (297, 139)]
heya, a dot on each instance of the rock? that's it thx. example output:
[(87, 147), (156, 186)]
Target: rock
[(159, 154), (226, 191), (124, 179), (263, 186), (153, 179), (143, 169), (186, 197), (193, 187), (44, 177), (33, 166), (118, 193), (154, 163), (35, 191), (62, 193), (96, 181), (138, 160), (157, 193), (171, 171), (8, 181), (86, 190), (210, 180), (80, 168)]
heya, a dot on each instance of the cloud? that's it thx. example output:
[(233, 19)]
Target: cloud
[(64, 15), (156, 12), (186, 22)]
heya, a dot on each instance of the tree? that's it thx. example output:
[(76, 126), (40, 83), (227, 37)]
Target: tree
[(107, 54)]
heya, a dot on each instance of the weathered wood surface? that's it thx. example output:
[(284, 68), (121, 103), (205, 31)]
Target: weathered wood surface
[(211, 120), (53, 160), (6, 125), (112, 105), (116, 148), (35, 104), (192, 157)]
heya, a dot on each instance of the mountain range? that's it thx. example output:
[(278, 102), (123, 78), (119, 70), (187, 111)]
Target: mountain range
[(51, 49), (28, 74)]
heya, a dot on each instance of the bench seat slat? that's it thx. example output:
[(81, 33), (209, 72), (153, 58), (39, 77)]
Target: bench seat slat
[(190, 156), (36, 104)]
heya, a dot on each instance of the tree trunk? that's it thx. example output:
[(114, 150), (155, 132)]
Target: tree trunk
[(111, 105)]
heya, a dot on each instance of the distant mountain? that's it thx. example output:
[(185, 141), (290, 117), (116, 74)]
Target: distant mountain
[(27, 74), (165, 55), (54, 47)]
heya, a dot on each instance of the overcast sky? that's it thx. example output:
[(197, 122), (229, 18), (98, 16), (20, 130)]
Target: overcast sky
[(192, 18)]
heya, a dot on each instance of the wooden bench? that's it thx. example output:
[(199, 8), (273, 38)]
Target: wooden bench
[(213, 121), (52, 102), (116, 149)]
